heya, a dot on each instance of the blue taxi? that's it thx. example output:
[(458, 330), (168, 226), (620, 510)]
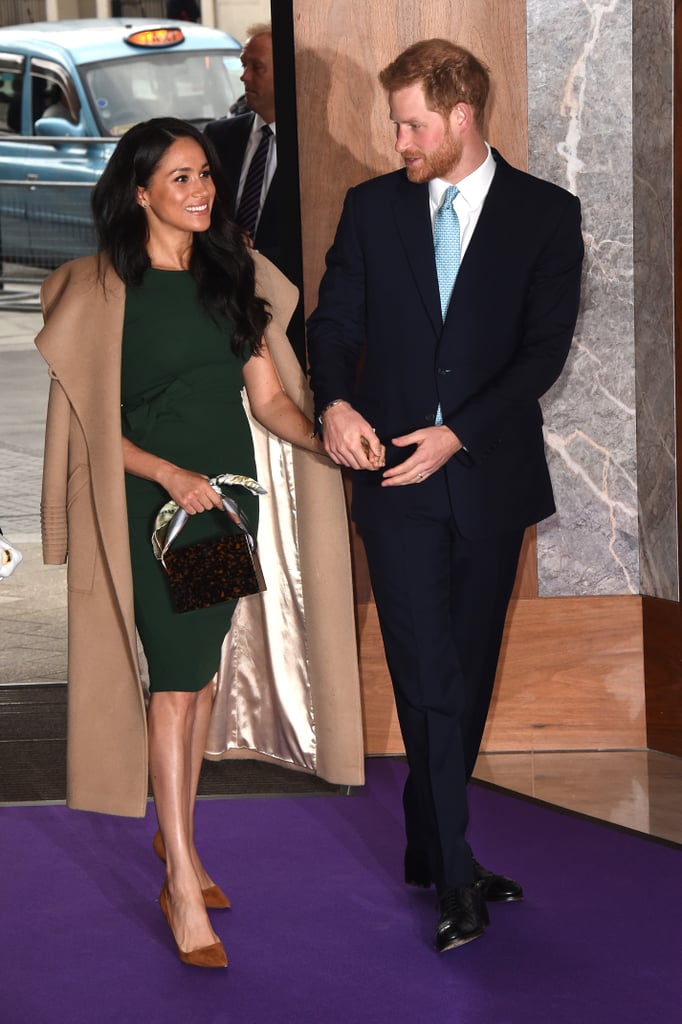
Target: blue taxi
[(68, 90)]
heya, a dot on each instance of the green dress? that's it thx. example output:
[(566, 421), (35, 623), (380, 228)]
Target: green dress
[(181, 399)]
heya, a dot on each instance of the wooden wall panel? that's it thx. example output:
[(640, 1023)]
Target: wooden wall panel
[(344, 132), (662, 626), (345, 137), (571, 677), (572, 674), (663, 619)]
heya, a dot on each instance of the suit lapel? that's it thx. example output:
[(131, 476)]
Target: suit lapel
[(231, 143), (413, 220), (491, 227), (239, 151)]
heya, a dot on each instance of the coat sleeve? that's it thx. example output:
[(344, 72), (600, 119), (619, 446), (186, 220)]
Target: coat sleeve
[(336, 329), (282, 297), (53, 521), (271, 284)]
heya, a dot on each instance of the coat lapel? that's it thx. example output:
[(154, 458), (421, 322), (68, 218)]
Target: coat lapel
[(491, 227), (413, 221), (81, 342), (233, 148)]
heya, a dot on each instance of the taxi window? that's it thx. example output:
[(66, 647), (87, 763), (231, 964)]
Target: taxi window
[(196, 87), (11, 79), (50, 97)]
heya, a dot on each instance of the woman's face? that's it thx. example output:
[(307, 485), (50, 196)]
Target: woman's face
[(180, 193)]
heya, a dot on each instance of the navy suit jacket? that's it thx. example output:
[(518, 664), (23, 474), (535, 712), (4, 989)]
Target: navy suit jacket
[(377, 339), (230, 137)]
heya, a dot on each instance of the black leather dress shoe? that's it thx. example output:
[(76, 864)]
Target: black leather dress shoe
[(493, 888), (463, 917), (496, 888)]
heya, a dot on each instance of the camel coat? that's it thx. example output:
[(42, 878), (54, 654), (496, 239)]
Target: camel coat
[(84, 522)]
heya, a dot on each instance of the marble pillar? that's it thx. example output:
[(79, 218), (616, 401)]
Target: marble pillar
[(610, 418), (653, 27)]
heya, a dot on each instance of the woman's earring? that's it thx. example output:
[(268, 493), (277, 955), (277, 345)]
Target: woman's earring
[(145, 206)]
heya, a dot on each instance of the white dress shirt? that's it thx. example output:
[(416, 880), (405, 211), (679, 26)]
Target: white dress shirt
[(469, 201)]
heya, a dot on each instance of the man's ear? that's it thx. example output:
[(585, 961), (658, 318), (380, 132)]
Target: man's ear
[(461, 116)]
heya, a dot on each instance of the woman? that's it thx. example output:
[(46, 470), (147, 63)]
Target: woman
[(189, 333)]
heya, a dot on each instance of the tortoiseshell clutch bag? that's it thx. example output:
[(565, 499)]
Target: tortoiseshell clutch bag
[(209, 572)]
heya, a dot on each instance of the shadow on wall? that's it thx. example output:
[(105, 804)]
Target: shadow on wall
[(342, 102)]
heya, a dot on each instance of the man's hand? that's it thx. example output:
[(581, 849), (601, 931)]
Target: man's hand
[(349, 439), (435, 445)]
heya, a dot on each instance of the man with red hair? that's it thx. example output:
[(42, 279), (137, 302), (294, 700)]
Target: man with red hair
[(446, 311)]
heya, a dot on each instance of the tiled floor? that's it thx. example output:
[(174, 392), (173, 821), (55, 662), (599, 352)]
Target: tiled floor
[(638, 789)]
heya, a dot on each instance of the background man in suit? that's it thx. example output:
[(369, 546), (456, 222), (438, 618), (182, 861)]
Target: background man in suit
[(249, 142), (247, 148), (450, 378)]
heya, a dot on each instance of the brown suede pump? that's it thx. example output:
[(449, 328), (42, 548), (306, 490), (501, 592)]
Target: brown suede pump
[(214, 897), (206, 956)]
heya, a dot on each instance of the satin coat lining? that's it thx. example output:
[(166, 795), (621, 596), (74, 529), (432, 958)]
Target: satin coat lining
[(263, 697)]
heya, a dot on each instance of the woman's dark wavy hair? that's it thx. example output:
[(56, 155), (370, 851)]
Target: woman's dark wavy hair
[(220, 262)]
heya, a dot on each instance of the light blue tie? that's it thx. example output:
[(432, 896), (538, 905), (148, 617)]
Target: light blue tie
[(446, 243), (447, 247)]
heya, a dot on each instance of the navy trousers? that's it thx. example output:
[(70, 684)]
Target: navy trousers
[(441, 600)]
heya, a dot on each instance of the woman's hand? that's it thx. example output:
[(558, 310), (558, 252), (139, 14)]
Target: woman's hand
[(191, 491)]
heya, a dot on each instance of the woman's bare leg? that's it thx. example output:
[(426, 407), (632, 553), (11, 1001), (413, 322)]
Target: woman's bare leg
[(172, 720), (198, 746)]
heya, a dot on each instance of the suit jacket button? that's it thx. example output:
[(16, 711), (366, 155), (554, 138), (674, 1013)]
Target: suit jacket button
[(442, 371), (430, 418)]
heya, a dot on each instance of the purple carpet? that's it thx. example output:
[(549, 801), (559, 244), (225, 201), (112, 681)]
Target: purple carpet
[(322, 929)]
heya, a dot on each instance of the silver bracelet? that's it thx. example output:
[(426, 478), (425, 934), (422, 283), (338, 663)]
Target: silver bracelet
[(330, 405)]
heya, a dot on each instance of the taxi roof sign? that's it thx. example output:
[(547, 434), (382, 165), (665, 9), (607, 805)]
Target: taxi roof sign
[(153, 37)]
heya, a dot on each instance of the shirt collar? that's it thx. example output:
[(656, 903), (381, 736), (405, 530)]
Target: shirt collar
[(258, 123), (473, 188)]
